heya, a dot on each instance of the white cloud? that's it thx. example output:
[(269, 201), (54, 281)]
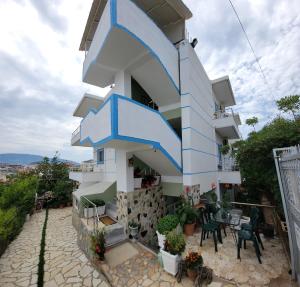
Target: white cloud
[(40, 79)]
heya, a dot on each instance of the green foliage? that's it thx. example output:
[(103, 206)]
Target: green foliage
[(175, 243), (167, 224), (54, 176), (252, 121), (193, 260), (255, 158), (98, 243), (40, 281), (10, 224), (225, 149), (186, 214), (289, 104), (98, 202)]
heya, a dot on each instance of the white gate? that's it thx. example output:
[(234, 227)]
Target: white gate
[(287, 162)]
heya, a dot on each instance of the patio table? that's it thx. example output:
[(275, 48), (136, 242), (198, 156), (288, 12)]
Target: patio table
[(231, 218)]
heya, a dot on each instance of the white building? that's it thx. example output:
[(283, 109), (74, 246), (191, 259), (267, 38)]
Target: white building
[(163, 113)]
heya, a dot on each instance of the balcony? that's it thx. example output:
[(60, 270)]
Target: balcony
[(85, 173), (226, 124), (229, 171), (127, 39), (75, 139), (123, 123)]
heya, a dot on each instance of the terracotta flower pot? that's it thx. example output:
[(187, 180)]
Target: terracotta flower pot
[(189, 229), (192, 274)]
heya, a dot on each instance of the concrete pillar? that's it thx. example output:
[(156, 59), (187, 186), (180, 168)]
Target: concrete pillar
[(123, 84), (218, 190), (125, 181)]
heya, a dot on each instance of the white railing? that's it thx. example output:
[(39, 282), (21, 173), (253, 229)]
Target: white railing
[(228, 164), (85, 203), (76, 132), (84, 167), (225, 113)]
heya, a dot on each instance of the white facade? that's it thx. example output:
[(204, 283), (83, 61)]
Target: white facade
[(129, 48)]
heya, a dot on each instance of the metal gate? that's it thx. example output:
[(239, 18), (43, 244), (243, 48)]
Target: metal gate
[(287, 162)]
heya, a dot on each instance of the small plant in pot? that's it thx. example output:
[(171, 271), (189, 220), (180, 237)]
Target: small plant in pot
[(100, 206), (187, 216), (165, 225), (171, 254), (98, 243), (133, 229), (193, 262)]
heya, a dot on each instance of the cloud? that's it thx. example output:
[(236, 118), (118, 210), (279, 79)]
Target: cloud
[(41, 67), (48, 12)]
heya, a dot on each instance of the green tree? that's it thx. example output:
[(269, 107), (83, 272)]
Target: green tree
[(255, 158), (289, 104), (54, 176), (252, 122)]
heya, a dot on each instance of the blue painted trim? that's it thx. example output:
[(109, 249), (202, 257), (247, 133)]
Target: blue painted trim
[(197, 113), (114, 102), (197, 102), (199, 172), (199, 133), (114, 115), (100, 161), (151, 110), (113, 12), (155, 145), (201, 151)]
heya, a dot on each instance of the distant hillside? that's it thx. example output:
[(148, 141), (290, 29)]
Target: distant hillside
[(24, 159)]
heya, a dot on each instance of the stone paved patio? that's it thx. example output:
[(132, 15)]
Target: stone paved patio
[(18, 265), (65, 263)]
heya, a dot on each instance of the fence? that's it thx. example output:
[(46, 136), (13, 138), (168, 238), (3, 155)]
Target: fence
[(287, 162)]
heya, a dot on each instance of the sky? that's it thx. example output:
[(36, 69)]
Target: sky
[(41, 65)]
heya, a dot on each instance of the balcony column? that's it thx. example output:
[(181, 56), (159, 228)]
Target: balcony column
[(123, 84), (125, 181)]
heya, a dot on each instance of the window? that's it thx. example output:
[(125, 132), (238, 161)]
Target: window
[(100, 155)]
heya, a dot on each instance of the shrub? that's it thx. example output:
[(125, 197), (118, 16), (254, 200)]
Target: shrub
[(10, 224), (167, 224), (175, 243), (98, 202), (187, 214), (193, 260), (98, 243)]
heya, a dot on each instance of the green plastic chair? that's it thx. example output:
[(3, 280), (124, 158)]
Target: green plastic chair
[(253, 225), (249, 234), (209, 226)]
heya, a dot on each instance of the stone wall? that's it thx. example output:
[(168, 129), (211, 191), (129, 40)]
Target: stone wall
[(144, 206)]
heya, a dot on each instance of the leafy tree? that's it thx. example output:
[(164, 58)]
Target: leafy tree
[(289, 104), (255, 158), (54, 176), (252, 122)]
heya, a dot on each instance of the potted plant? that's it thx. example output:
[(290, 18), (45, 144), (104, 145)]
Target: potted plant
[(133, 229), (137, 178), (100, 206), (98, 243), (171, 255), (165, 225), (88, 210), (193, 261), (187, 217)]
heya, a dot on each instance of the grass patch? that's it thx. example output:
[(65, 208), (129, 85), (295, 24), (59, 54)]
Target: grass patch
[(40, 281)]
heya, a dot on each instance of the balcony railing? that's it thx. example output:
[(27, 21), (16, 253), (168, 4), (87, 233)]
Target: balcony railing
[(76, 132), (220, 114), (228, 164), (84, 167)]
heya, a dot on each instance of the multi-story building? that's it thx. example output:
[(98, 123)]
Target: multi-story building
[(162, 114)]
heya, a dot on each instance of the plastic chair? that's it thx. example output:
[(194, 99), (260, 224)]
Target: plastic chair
[(248, 233), (209, 226), (253, 225)]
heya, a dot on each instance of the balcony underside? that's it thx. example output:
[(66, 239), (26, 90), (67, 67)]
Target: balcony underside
[(233, 177), (121, 44), (226, 127)]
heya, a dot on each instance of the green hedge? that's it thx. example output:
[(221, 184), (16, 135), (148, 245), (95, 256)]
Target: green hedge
[(40, 281)]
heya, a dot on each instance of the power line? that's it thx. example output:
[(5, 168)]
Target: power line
[(254, 54)]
